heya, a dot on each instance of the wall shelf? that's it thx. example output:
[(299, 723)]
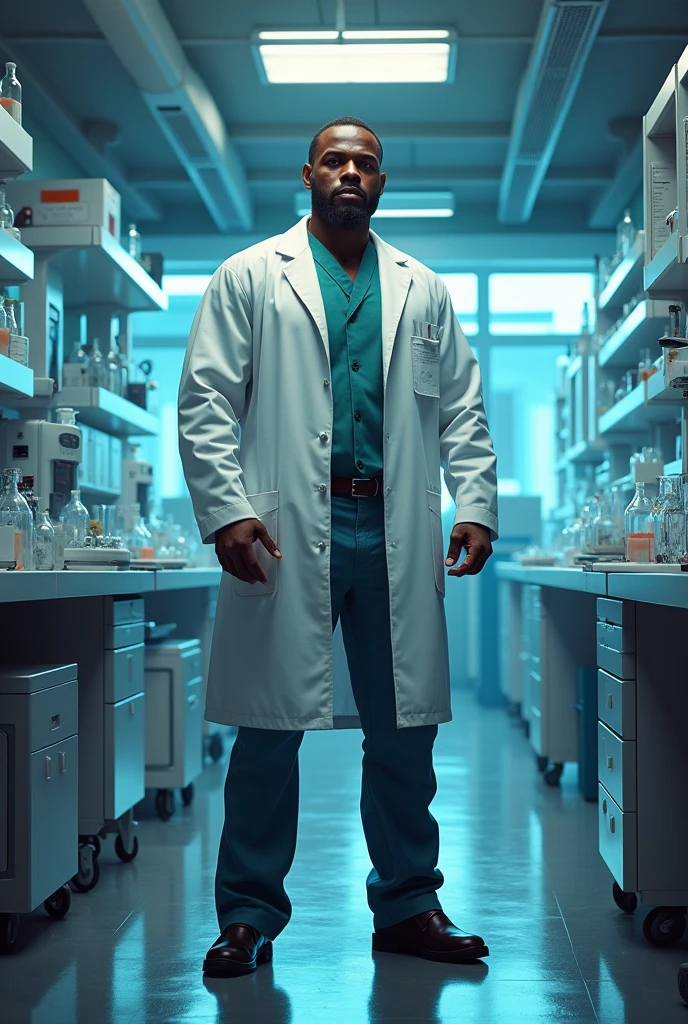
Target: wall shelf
[(16, 261), (585, 453), (642, 328), (15, 379), (667, 273), (96, 269), (106, 411), (626, 280), (649, 403), (16, 147)]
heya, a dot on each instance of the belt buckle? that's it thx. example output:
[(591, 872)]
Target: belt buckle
[(363, 480)]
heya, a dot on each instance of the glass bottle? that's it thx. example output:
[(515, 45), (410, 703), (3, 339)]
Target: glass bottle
[(640, 532), (11, 318), (675, 520), (134, 242), (75, 368), (140, 541), (74, 517), (97, 368), (44, 543), (4, 332), (604, 528), (113, 369), (6, 212), (66, 416), (11, 92), (661, 549), (625, 234), (14, 511)]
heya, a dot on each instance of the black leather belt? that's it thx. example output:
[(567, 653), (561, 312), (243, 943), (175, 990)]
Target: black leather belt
[(357, 487)]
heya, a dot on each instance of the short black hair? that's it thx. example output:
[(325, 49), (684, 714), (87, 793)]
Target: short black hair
[(333, 124)]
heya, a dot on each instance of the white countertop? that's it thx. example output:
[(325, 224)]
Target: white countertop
[(565, 578), (669, 589), (46, 586)]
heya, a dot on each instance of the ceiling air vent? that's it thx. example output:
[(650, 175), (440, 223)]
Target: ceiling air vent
[(181, 131), (561, 47)]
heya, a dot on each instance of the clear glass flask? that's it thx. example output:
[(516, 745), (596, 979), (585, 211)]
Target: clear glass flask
[(658, 509), (11, 92), (14, 511), (675, 520), (140, 540), (97, 367), (75, 519), (640, 528), (44, 543), (12, 326), (6, 212), (605, 533), (75, 368)]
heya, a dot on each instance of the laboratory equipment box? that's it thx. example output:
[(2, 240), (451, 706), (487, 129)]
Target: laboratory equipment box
[(174, 720), (78, 201), (38, 791)]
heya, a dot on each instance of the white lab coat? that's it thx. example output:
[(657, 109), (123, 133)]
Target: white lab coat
[(258, 359)]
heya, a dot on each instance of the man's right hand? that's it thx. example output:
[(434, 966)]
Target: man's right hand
[(234, 549)]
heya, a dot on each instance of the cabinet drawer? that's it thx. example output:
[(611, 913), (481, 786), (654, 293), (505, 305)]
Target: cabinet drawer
[(123, 673), (126, 635), (620, 613), (616, 704), (617, 637), (618, 840), (121, 610), (54, 714), (616, 766), (4, 800), (53, 825), (124, 755), (620, 665)]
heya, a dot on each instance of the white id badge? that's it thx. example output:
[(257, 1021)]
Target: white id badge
[(426, 367)]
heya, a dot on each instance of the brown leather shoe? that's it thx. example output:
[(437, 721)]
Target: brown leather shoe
[(239, 950), (431, 936)]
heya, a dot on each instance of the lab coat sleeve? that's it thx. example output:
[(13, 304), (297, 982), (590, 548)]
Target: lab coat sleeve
[(212, 397), (466, 451)]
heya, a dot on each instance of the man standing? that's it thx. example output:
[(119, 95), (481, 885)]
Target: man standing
[(343, 362)]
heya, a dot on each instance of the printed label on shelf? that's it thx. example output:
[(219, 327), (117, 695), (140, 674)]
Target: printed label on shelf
[(663, 202), (61, 213)]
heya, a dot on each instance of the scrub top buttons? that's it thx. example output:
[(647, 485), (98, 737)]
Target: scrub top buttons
[(359, 464), (324, 437), (358, 417), (356, 365), (322, 488)]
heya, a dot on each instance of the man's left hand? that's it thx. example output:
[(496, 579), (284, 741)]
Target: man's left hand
[(476, 540)]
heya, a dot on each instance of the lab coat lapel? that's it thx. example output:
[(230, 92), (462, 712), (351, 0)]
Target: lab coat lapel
[(301, 273), (395, 281)]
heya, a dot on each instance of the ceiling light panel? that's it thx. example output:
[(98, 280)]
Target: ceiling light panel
[(418, 34), (286, 36), (373, 62), (398, 204)]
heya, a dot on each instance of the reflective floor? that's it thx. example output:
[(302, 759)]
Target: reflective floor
[(521, 867)]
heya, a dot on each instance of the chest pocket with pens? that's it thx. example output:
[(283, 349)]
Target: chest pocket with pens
[(425, 346)]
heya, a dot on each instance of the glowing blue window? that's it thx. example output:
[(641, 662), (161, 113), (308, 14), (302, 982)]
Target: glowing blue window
[(540, 303), (463, 291)]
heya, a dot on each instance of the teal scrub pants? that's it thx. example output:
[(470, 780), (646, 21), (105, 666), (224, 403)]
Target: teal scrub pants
[(262, 789)]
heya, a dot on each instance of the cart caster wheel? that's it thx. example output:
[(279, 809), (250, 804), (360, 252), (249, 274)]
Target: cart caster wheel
[(188, 794), (59, 903), (127, 856), (9, 932), (553, 774), (88, 875), (542, 763), (626, 901), (95, 840), (683, 982), (164, 803), (664, 926), (216, 747)]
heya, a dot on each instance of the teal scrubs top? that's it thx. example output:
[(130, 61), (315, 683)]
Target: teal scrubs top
[(353, 310)]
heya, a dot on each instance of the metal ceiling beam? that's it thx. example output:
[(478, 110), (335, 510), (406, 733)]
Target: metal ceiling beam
[(565, 35), (63, 125)]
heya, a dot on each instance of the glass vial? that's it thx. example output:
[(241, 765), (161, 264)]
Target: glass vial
[(97, 367), (14, 511), (658, 510), (625, 234), (44, 543), (75, 369), (11, 92), (640, 528), (75, 519)]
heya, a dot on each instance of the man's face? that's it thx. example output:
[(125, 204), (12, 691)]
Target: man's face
[(345, 180)]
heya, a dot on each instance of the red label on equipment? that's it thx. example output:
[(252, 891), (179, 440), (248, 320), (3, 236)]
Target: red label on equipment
[(64, 195)]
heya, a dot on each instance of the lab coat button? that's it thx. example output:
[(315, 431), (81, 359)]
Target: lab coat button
[(393, 544), (388, 490), (326, 383), (322, 488), (324, 436), (388, 437), (322, 545)]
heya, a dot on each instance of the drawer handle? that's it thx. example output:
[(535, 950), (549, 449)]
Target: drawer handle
[(48, 767), (192, 701), (610, 762), (130, 663), (54, 723), (132, 709), (612, 823), (610, 701), (62, 761), (604, 806)]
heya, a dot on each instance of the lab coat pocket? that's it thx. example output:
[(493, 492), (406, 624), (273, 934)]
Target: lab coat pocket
[(426, 366), (435, 513), (266, 507)]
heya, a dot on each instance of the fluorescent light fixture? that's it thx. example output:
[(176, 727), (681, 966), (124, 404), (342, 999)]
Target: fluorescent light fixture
[(374, 62), (286, 36), (431, 33), (398, 204), (185, 284)]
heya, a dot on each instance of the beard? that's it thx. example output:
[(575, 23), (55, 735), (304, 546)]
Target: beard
[(343, 215)]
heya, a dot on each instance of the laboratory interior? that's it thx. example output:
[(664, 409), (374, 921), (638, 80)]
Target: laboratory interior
[(536, 156)]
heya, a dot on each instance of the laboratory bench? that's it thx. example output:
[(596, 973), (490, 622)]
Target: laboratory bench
[(45, 586), (621, 643)]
